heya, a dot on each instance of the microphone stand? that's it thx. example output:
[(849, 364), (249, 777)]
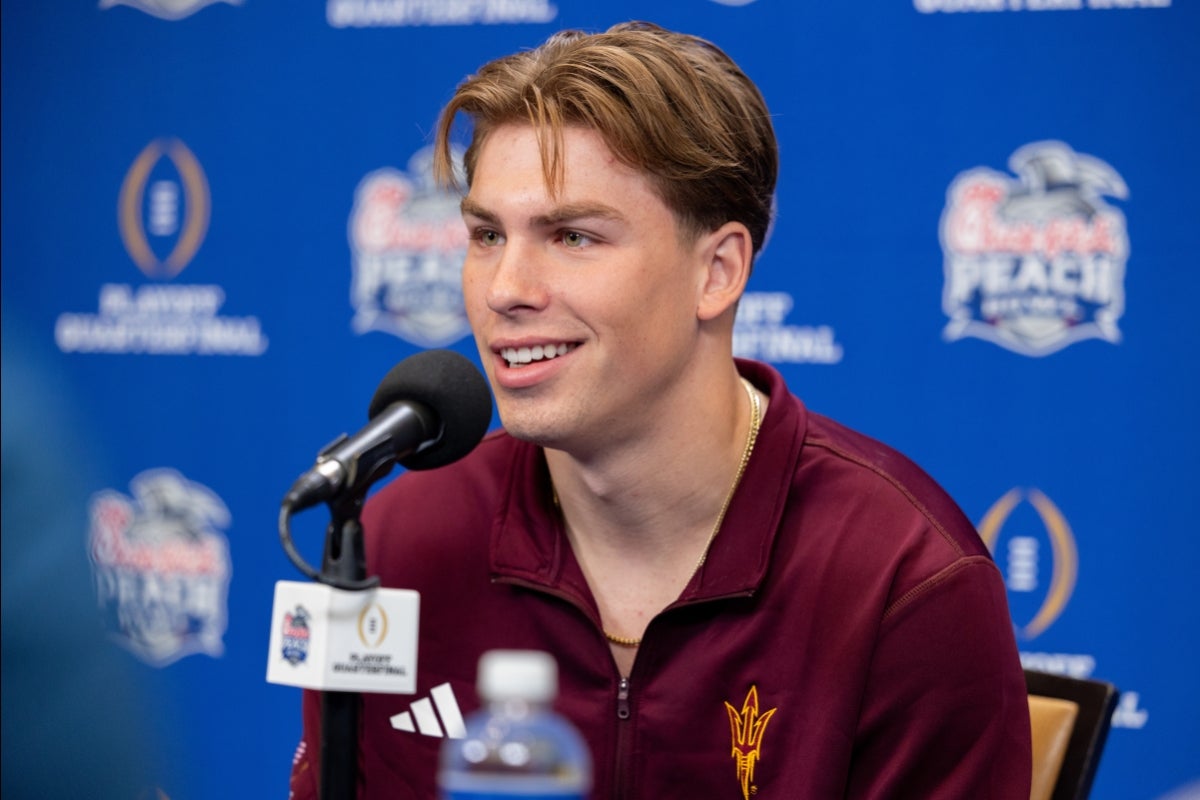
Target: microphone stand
[(344, 566), (344, 563), (345, 469)]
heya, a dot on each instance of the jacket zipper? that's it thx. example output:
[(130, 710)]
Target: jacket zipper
[(623, 699), (621, 767)]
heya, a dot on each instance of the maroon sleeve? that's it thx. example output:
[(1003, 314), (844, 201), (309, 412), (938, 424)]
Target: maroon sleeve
[(946, 714), (306, 764)]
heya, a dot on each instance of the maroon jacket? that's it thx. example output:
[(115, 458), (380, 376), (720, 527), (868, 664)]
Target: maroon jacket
[(847, 637)]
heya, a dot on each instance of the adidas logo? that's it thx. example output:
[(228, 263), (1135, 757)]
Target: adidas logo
[(426, 720)]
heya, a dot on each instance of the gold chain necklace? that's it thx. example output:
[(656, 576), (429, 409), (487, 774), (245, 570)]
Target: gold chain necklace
[(751, 438)]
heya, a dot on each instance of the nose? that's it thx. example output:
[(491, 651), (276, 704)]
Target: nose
[(516, 283)]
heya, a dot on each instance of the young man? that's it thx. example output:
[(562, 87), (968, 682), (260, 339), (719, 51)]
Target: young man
[(744, 598)]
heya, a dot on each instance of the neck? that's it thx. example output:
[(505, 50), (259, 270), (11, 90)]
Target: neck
[(664, 488), (642, 533)]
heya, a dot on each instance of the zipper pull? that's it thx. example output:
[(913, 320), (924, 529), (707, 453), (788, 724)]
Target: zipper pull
[(623, 699)]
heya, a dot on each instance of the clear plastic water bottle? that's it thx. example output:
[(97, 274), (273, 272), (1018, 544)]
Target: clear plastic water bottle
[(517, 747)]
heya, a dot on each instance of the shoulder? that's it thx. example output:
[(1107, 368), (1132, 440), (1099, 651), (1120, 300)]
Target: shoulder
[(482, 471), (434, 515), (890, 479), (827, 476), (894, 519)]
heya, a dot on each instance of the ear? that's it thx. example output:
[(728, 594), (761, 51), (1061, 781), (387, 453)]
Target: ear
[(728, 254)]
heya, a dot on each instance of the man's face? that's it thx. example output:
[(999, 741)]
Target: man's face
[(584, 303)]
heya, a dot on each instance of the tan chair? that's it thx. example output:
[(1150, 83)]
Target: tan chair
[(1070, 718)]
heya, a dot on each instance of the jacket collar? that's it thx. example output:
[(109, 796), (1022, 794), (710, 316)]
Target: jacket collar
[(529, 546)]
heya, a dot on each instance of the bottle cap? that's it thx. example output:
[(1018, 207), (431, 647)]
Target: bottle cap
[(529, 675)]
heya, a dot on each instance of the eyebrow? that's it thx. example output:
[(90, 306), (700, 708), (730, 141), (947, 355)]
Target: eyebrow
[(469, 207), (558, 215)]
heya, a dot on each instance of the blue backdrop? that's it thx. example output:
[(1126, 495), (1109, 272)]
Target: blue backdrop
[(219, 234)]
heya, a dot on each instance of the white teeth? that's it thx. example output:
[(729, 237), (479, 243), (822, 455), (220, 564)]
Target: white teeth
[(518, 356)]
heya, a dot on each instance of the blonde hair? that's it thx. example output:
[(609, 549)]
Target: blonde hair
[(670, 105)]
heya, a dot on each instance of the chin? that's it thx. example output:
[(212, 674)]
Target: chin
[(540, 433), (520, 426), (529, 433)]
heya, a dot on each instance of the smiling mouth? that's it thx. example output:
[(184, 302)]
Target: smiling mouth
[(520, 356)]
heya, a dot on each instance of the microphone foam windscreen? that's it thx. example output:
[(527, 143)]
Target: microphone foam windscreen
[(450, 386)]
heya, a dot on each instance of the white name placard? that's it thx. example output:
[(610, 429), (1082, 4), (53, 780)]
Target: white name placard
[(342, 641)]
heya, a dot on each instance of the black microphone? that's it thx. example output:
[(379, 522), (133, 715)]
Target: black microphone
[(431, 409)]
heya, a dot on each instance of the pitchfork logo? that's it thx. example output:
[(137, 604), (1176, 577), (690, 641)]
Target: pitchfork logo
[(1035, 263), (747, 727)]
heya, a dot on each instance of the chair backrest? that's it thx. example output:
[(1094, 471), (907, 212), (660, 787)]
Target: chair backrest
[(1070, 718), (1053, 721)]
